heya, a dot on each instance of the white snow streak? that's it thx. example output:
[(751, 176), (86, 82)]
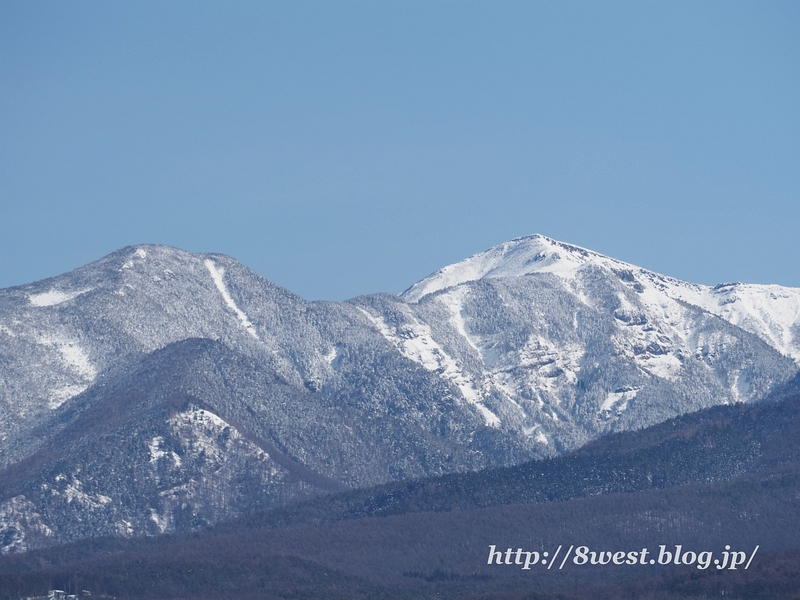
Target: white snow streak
[(216, 275), (454, 301), (416, 343), (155, 452), (741, 388)]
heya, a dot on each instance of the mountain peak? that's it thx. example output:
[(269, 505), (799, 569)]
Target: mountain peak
[(521, 256)]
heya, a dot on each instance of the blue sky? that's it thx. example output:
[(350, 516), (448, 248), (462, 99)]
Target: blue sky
[(344, 148)]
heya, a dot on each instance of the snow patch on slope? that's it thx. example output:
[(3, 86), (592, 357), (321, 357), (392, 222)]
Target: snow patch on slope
[(741, 388), (77, 362), (74, 493), (156, 453), (619, 399), (77, 358), (665, 366), (216, 275), (333, 359), (140, 253), (205, 432), (54, 297), (18, 522), (161, 521)]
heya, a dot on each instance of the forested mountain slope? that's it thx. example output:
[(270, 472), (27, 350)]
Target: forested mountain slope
[(157, 390)]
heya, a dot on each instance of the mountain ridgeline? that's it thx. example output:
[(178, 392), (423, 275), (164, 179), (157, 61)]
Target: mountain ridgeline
[(159, 391)]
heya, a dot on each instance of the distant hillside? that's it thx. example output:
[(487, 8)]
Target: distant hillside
[(711, 445), (722, 476), (426, 555)]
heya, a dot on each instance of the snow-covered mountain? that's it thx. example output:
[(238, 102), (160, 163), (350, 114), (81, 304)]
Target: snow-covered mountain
[(570, 344), (159, 390), (772, 312)]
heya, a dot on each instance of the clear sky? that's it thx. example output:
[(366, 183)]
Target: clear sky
[(345, 148)]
